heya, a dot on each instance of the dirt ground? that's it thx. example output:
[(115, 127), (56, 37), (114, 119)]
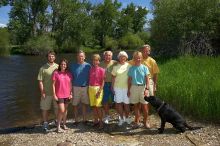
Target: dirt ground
[(114, 135)]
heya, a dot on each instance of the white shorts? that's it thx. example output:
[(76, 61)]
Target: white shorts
[(121, 96)]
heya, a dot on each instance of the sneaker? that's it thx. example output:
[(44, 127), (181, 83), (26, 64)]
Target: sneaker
[(128, 120), (45, 127), (121, 121), (106, 119)]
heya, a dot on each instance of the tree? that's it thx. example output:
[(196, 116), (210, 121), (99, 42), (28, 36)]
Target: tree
[(178, 23), (106, 16), (4, 41)]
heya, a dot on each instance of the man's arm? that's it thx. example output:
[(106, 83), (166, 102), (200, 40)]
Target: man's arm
[(41, 86)]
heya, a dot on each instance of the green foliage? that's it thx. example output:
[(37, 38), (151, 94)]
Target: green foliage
[(4, 41), (132, 19), (110, 43), (130, 41), (177, 22), (39, 45), (192, 86), (74, 23), (145, 36)]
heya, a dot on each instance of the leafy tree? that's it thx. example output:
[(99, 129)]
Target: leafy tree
[(4, 41), (185, 26), (106, 15), (130, 41), (132, 19)]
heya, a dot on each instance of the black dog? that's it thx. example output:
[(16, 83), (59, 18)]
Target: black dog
[(168, 114)]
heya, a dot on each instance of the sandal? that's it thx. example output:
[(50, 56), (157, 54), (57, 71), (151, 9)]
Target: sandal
[(65, 127), (136, 126), (59, 130)]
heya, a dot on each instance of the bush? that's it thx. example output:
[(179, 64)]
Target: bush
[(4, 42), (39, 45), (110, 43), (145, 36), (130, 41)]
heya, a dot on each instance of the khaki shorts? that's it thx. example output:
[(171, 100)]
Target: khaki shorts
[(137, 94), (80, 94), (45, 103), (151, 87)]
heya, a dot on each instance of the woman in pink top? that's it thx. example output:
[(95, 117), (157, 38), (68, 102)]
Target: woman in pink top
[(62, 92), (96, 83)]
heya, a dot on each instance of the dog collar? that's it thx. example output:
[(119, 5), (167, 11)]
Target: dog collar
[(160, 106)]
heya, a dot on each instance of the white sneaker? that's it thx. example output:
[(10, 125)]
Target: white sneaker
[(121, 121), (106, 120), (128, 120)]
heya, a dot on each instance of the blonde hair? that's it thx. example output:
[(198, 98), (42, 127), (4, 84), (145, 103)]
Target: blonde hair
[(96, 56), (137, 53)]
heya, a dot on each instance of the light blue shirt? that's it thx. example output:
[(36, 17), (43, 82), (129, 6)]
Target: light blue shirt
[(80, 73), (138, 74)]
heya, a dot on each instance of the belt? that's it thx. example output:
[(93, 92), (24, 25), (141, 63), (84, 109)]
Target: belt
[(139, 84), (79, 86)]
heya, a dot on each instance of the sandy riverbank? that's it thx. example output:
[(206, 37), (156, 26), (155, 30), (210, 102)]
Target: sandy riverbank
[(113, 135)]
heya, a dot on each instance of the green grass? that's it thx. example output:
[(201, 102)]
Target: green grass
[(192, 86)]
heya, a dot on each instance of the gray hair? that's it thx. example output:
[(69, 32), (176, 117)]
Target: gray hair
[(107, 52), (122, 53)]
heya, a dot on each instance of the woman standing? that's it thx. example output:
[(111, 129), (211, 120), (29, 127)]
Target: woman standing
[(96, 83), (62, 92), (138, 87), (120, 86)]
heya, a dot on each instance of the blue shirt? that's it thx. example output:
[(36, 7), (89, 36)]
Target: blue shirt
[(138, 74), (80, 73)]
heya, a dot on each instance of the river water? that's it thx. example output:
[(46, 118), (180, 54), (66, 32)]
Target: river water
[(19, 92)]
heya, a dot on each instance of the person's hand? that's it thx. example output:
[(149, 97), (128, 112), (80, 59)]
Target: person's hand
[(71, 96), (43, 95), (128, 93), (98, 93), (55, 97), (113, 91), (146, 92)]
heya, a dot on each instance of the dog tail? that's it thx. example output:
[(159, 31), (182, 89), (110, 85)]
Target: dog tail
[(192, 128)]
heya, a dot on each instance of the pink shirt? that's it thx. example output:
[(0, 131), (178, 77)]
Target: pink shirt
[(96, 76), (62, 84)]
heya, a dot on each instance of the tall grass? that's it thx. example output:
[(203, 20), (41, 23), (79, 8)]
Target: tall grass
[(192, 85)]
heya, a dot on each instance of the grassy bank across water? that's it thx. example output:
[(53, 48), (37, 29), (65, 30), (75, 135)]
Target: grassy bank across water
[(192, 86)]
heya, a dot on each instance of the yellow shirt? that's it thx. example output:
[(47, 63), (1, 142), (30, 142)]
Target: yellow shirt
[(108, 69), (150, 63), (121, 75)]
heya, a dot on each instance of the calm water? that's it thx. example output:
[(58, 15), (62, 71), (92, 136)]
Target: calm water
[(19, 93)]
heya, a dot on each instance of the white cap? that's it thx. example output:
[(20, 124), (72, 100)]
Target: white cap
[(122, 53)]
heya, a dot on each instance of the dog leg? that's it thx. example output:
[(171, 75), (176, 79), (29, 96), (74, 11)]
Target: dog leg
[(162, 125), (189, 127)]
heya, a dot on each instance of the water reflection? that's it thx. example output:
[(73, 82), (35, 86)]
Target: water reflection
[(19, 93)]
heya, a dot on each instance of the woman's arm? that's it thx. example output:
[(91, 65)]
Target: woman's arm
[(54, 90)]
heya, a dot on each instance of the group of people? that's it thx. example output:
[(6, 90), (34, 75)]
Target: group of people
[(98, 85)]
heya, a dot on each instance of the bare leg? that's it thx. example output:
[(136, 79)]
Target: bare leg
[(61, 111), (65, 114), (75, 113), (137, 113), (120, 109), (145, 110), (84, 107), (45, 115), (127, 110)]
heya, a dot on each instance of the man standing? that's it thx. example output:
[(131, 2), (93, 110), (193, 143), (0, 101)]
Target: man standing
[(45, 85), (107, 64), (153, 68), (80, 73)]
